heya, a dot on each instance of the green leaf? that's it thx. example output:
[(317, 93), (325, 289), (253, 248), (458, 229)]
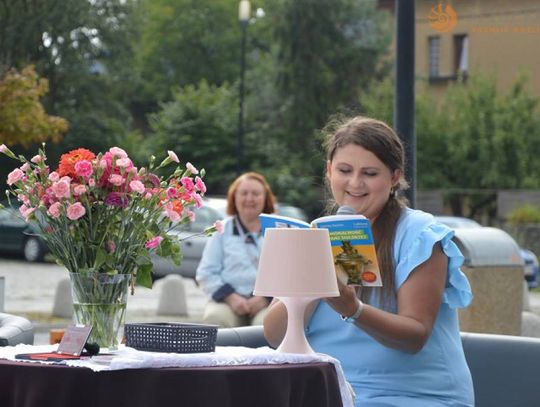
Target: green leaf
[(144, 275)]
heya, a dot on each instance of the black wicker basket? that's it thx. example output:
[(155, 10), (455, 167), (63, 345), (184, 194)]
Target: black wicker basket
[(171, 337)]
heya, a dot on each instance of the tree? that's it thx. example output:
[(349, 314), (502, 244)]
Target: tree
[(183, 42), (475, 138), (199, 124), (81, 48), (22, 117)]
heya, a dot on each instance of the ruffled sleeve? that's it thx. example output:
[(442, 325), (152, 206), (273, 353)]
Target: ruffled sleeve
[(416, 235)]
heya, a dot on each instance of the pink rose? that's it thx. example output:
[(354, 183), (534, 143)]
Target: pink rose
[(153, 243), (173, 156), (137, 186), (61, 189), (54, 210), (191, 168), (14, 176), (75, 211), (84, 168), (218, 224)]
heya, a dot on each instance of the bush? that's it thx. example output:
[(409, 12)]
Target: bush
[(523, 215)]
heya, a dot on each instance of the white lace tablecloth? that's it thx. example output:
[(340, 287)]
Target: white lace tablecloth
[(129, 358)]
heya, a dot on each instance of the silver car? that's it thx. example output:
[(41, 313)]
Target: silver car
[(192, 247)]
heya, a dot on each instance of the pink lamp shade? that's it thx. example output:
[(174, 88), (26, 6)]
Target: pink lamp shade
[(296, 263)]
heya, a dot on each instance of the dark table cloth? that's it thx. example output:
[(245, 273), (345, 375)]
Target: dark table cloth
[(289, 385)]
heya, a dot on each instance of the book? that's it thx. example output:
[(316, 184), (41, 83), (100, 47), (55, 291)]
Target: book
[(351, 240)]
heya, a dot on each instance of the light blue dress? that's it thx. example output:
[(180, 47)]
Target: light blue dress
[(438, 375)]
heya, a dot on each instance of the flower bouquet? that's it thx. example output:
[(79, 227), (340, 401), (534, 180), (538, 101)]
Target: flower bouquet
[(101, 216)]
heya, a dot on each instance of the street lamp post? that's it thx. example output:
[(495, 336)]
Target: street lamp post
[(244, 12)]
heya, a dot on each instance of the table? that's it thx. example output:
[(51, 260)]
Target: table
[(287, 385)]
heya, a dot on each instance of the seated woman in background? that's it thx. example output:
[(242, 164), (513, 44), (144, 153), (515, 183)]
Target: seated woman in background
[(399, 345), (229, 262)]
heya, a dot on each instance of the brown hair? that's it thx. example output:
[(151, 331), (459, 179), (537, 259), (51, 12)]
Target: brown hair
[(378, 138), (269, 198)]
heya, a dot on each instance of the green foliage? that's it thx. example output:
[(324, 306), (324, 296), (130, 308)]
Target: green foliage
[(327, 51), (524, 215), (200, 124), (475, 137), (22, 117), (185, 41)]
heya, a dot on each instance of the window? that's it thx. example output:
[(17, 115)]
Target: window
[(434, 52), (461, 54)]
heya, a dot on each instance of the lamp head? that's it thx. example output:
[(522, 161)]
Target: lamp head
[(296, 263)]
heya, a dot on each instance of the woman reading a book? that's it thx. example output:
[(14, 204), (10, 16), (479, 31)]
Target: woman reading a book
[(229, 262), (399, 344)]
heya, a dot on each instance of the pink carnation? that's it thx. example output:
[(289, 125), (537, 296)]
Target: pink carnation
[(200, 185), (188, 184), (173, 156), (25, 167), (54, 176), (153, 243), (79, 190), (191, 168), (36, 159), (14, 176), (75, 211), (219, 226), (3, 149), (54, 210), (83, 168), (191, 215), (124, 163), (61, 189), (172, 193), (118, 152), (116, 179), (198, 201), (137, 186)]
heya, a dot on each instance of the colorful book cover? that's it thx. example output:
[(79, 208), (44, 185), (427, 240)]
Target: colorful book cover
[(352, 245)]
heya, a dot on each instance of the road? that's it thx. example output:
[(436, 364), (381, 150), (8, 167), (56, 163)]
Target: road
[(30, 290)]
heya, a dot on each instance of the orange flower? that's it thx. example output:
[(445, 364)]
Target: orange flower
[(177, 206), (68, 161)]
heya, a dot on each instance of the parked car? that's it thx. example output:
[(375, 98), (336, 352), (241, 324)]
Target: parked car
[(19, 237), (213, 209), (531, 269)]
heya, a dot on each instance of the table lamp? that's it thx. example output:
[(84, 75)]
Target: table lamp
[(296, 266)]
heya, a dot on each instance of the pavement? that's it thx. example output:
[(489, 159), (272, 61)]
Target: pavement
[(30, 290)]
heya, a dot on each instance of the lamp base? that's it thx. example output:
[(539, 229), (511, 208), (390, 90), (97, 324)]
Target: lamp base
[(295, 339)]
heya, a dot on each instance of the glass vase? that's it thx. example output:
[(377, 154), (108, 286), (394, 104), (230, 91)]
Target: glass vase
[(99, 299)]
